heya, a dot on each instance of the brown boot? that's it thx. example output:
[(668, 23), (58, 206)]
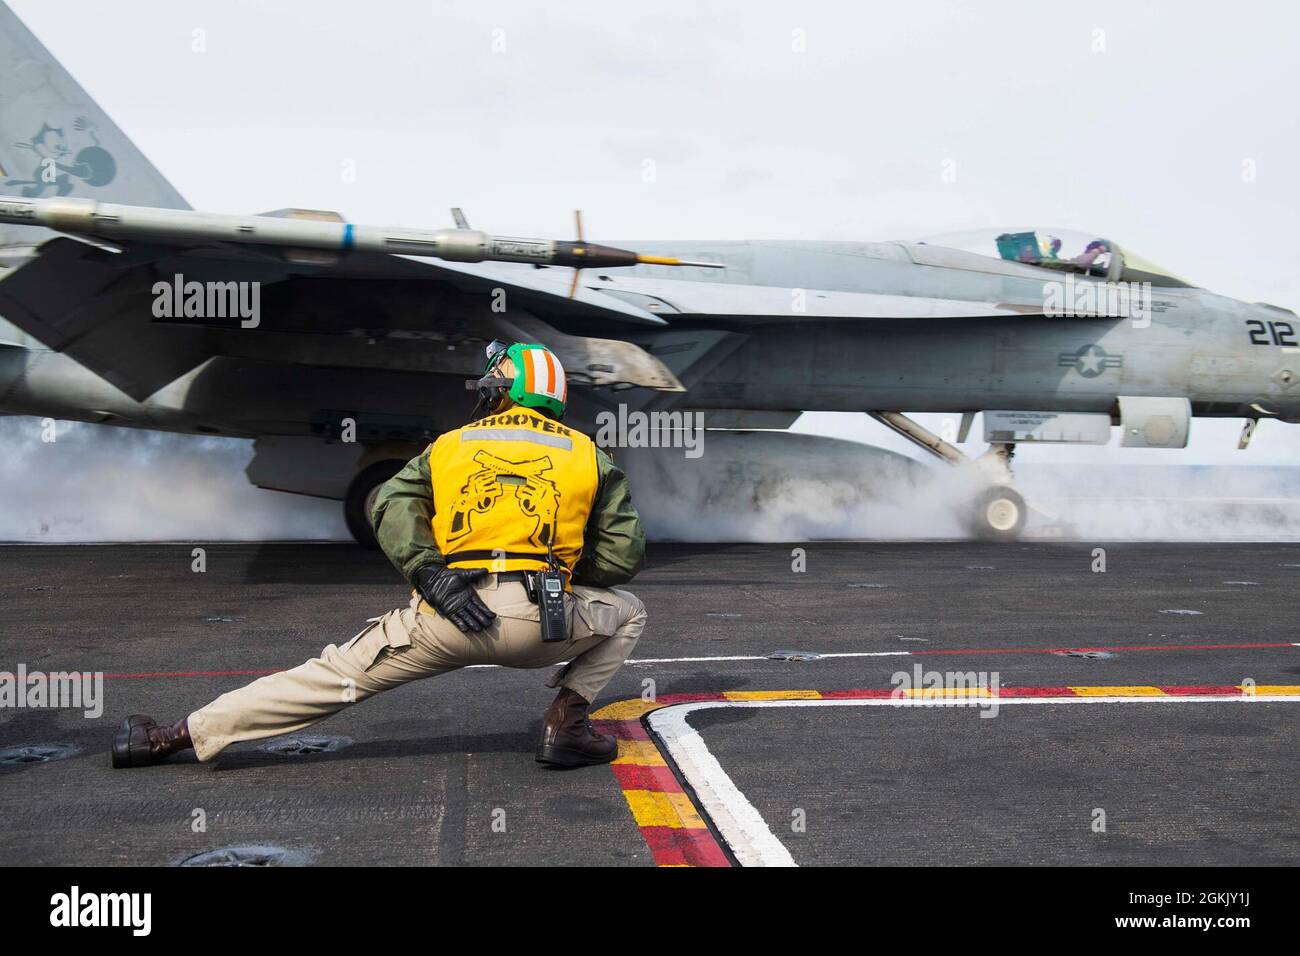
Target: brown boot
[(567, 737), (140, 741)]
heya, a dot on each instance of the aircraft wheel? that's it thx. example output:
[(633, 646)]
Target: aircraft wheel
[(998, 513), (361, 498)]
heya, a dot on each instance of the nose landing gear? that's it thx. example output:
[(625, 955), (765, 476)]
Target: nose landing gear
[(996, 511)]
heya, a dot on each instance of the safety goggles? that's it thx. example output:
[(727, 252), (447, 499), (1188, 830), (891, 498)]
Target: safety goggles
[(496, 353), (487, 381)]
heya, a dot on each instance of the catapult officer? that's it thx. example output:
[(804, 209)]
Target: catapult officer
[(479, 524)]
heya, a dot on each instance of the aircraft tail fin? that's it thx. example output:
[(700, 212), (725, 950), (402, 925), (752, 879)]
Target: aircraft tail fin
[(56, 141)]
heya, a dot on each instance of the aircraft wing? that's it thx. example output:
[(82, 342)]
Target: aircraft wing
[(99, 304), (328, 300), (762, 303)]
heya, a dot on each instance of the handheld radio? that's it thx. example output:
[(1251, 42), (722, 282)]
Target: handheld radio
[(550, 600)]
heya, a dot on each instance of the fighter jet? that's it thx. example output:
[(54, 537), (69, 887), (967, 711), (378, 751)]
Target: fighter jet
[(342, 348)]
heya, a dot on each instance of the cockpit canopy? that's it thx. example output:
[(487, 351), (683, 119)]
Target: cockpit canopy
[(1061, 250)]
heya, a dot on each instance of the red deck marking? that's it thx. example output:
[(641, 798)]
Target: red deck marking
[(259, 672), (689, 845), (622, 729), (635, 777), (1110, 647), (675, 847)]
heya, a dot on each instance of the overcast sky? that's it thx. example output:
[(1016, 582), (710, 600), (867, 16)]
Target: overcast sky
[(1131, 120)]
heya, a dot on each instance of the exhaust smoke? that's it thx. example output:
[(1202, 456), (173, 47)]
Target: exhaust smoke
[(103, 483), (98, 483)]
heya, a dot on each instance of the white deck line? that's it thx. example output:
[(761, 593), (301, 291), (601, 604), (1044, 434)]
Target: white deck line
[(742, 827), (834, 655), (734, 657)]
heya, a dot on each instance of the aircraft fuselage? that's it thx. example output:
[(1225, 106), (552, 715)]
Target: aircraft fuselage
[(792, 351)]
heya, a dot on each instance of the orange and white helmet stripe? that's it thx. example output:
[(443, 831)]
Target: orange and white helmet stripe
[(543, 375)]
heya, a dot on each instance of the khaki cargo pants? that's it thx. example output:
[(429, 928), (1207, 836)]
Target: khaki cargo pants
[(414, 642)]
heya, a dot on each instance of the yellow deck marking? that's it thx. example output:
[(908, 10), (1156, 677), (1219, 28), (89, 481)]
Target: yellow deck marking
[(1118, 691), (655, 809), (626, 709), (642, 753), (773, 695)]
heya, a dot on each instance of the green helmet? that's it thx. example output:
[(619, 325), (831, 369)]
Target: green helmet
[(539, 380)]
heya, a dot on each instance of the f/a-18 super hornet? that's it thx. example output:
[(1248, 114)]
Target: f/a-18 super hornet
[(343, 349)]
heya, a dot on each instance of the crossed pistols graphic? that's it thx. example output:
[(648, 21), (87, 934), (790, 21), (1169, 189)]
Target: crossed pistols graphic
[(538, 497)]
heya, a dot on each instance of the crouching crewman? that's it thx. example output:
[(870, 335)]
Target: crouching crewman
[(472, 523)]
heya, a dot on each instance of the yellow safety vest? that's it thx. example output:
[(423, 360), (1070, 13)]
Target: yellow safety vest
[(507, 485)]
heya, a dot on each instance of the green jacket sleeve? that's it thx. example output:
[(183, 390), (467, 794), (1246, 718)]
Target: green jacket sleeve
[(402, 517), (613, 549)]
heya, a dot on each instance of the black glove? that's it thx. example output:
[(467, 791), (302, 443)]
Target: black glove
[(451, 593)]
